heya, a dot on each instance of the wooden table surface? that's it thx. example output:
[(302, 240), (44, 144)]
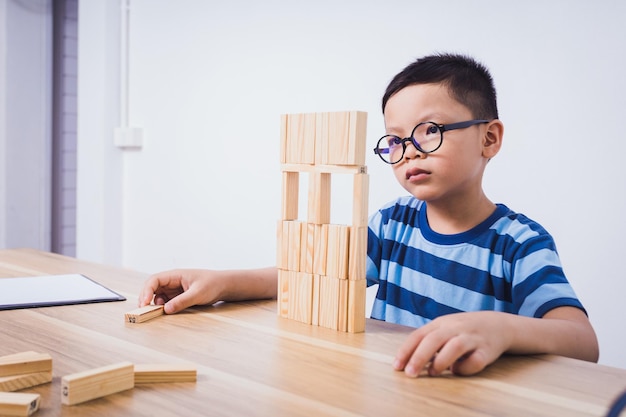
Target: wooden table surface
[(251, 362)]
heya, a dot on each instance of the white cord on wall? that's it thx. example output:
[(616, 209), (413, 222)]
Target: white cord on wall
[(126, 137)]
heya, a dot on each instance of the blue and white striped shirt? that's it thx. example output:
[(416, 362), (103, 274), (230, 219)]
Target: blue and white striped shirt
[(507, 263)]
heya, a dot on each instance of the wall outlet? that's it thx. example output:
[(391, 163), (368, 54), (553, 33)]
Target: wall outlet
[(129, 137)]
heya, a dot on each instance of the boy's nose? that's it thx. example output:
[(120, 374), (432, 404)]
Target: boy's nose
[(412, 152)]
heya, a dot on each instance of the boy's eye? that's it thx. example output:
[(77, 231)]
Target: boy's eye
[(394, 141), (432, 129)]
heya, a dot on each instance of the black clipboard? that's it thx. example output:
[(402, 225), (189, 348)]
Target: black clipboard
[(53, 290)]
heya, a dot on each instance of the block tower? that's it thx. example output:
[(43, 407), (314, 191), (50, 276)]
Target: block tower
[(321, 266)]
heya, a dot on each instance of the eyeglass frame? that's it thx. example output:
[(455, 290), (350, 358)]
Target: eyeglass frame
[(442, 128)]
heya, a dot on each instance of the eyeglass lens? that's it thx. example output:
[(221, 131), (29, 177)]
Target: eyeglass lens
[(426, 138)]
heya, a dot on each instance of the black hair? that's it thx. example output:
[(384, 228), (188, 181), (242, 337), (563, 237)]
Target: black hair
[(468, 82)]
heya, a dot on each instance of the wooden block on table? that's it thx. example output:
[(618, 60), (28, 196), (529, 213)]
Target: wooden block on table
[(18, 382), (281, 248), (283, 293), (342, 308), (315, 307), (290, 191), (99, 382), (360, 200), (319, 198), (160, 373), (25, 363), (145, 313), (358, 253), (329, 302), (356, 305), (300, 296), (18, 404)]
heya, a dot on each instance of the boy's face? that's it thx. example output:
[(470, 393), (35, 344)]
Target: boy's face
[(453, 171)]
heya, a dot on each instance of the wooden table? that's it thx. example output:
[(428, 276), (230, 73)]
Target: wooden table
[(251, 362)]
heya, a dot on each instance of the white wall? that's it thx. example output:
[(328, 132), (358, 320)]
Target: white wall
[(208, 81), (25, 123)]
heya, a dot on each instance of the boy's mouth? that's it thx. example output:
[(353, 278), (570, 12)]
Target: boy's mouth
[(416, 173)]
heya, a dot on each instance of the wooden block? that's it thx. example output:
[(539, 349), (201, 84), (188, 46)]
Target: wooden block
[(358, 253), (18, 382), (281, 255), (300, 138), (339, 138), (358, 137), (283, 293), (300, 296), (329, 302), (315, 308), (345, 132), (290, 191), (88, 385), (145, 313), (356, 305), (325, 169), (360, 199), (160, 373), (321, 139), (319, 198), (283, 138), (321, 249), (338, 251), (307, 246), (293, 249), (25, 363), (18, 404), (342, 307)]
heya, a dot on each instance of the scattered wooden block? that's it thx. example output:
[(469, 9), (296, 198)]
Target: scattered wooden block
[(141, 314), (18, 382), (25, 363), (95, 383), (18, 404), (161, 373)]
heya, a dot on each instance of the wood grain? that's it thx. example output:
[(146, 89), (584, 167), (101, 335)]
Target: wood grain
[(250, 361)]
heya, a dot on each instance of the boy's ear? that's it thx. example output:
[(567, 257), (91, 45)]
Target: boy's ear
[(492, 141)]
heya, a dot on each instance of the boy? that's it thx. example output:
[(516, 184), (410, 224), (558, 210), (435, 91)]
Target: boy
[(475, 278)]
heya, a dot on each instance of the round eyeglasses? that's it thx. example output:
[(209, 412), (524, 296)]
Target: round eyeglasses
[(427, 137)]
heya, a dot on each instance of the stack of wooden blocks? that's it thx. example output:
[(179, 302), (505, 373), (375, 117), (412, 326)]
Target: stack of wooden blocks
[(321, 266)]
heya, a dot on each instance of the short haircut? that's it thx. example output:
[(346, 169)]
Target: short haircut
[(468, 82)]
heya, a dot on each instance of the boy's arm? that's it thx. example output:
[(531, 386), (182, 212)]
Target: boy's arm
[(466, 343), (182, 288)]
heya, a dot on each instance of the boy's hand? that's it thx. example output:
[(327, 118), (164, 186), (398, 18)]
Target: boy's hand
[(465, 343), (181, 288)]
